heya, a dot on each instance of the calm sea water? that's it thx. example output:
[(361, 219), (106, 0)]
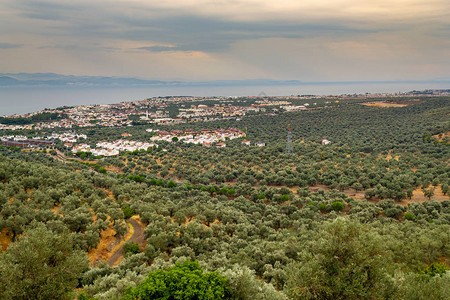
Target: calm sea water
[(24, 100)]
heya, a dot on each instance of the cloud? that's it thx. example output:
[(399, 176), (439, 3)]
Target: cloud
[(9, 46), (159, 48), (225, 38)]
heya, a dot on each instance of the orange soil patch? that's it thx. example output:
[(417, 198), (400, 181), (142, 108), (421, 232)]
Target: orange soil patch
[(5, 239), (389, 157), (442, 136), (108, 193), (384, 104), (418, 196), (55, 210), (113, 169)]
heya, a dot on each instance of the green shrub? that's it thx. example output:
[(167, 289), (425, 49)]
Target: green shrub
[(183, 281), (337, 206), (409, 216), (284, 198), (128, 212), (171, 184), (435, 269), (130, 248)]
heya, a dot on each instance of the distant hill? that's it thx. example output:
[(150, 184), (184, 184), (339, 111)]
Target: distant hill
[(5, 81), (57, 80)]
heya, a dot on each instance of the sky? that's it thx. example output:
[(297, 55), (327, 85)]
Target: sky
[(307, 40)]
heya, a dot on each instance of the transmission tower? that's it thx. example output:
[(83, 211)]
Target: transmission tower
[(289, 148)]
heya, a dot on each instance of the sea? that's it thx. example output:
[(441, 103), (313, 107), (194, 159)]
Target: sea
[(30, 99)]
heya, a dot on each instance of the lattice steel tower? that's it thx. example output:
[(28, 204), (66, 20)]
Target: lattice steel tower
[(289, 148)]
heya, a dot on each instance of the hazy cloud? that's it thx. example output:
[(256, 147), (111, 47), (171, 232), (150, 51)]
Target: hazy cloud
[(9, 46), (287, 39)]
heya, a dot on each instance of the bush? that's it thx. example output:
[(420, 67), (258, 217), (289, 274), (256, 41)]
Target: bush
[(409, 216), (435, 269), (183, 281), (323, 206), (130, 248), (284, 198), (393, 212), (171, 184), (337, 206), (128, 212)]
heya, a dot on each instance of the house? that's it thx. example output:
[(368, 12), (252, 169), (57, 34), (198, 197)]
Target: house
[(260, 144), (162, 132), (325, 142), (176, 132), (207, 144), (221, 145), (245, 142)]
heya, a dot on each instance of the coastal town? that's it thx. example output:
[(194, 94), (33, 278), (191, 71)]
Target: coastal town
[(178, 110), (76, 142)]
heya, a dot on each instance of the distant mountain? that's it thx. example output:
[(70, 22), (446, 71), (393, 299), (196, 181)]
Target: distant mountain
[(57, 80), (5, 80)]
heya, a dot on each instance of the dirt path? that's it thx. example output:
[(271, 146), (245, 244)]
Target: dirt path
[(137, 237)]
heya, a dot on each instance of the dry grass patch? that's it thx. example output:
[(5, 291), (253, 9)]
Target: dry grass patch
[(103, 251), (384, 104), (5, 239)]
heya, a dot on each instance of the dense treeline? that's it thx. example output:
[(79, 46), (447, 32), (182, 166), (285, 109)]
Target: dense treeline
[(42, 117)]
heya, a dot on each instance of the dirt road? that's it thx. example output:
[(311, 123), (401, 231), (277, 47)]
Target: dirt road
[(137, 237)]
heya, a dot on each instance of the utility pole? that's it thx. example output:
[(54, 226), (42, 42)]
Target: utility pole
[(289, 148)]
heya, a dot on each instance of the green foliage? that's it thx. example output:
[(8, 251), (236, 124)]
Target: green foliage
[(337, 206), (424, 287), (130, 248), (223, 191), (183, 281), (346, 262), (429, 192), (435, 269), (171, 184), (260, 247), (136, 178), (284, 198), (128, 212), (323, 206), (83, 155), (82, 296), (409, 216), (15, 121), (41, 265)]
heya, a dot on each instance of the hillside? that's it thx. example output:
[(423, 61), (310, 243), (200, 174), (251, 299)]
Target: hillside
[(365, 217)]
